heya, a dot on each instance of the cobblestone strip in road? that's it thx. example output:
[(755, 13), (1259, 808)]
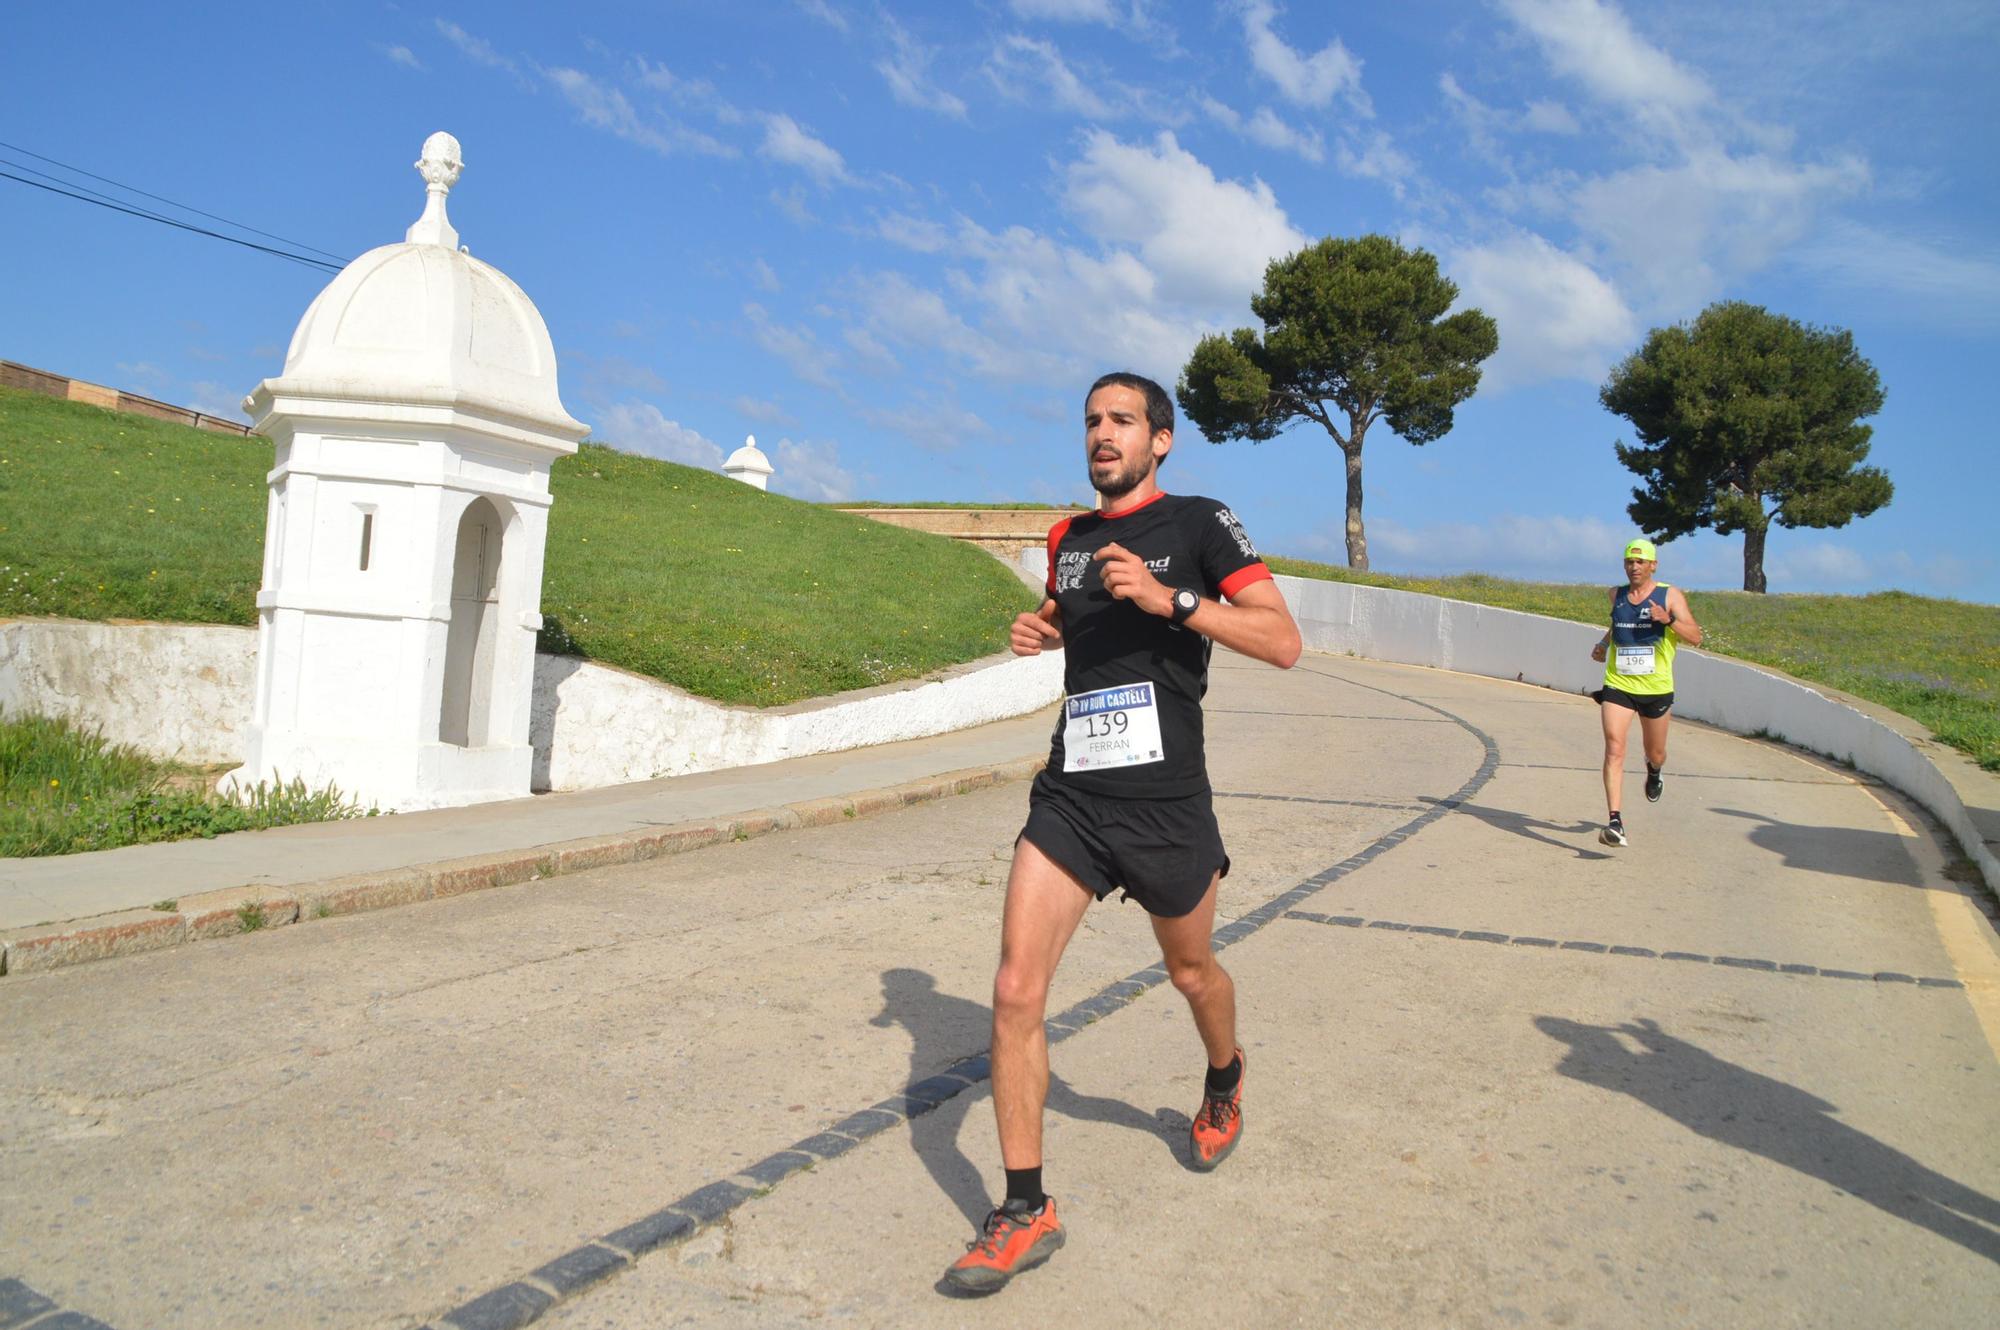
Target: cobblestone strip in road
[(525, 1300), (1611, 949)]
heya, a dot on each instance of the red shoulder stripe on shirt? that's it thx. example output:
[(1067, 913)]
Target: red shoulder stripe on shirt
[(1056, 533), (1243, 577)]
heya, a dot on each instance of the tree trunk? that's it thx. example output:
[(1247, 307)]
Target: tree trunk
[(1357, 535), (1753, 557)]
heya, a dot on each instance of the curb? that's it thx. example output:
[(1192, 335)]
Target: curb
[(230, 911)]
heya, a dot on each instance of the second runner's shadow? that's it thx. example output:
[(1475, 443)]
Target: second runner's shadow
[(942, 1030), (1520, 824), (1737, 1107)]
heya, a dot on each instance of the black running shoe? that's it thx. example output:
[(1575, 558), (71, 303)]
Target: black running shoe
[(1614, 831), (1654, 785)]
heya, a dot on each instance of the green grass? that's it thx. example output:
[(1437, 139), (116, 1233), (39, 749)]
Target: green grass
[(64, 790), (679, 574), (110, 516), (1935, 661), (744, 596)]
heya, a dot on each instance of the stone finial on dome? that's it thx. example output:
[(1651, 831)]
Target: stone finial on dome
[(440, 167)]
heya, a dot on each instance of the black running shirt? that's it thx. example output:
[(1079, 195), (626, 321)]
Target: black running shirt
[(1186, 542)]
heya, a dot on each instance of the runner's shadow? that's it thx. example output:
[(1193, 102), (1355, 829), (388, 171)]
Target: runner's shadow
[(943, 1029), (1530, 828), (1850, 852), (1738, 1107)]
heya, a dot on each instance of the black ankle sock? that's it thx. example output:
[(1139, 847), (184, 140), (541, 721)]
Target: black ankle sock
[(1617, 818), (1024, 1189), (1221, 1080), (1652, 770)]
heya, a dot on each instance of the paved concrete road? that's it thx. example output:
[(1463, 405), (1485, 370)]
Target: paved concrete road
[(1463, 1106)]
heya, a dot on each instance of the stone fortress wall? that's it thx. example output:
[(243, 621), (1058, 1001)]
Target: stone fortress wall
[(29, 379)]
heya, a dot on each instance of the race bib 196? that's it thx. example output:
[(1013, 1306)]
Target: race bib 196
[(1635, 660), (1111, 727)]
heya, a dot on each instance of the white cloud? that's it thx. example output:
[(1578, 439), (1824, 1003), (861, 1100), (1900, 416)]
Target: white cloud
[(792, 203), (1794, 561), (787, 143), (1947, 281), (1267, 128), (1031, 70), (1205, 240), (907, 70), (811, 471), (1373, 155), (1681, 233), (1557, 317), (913, 233), (894, 307), (1170, 252), (606, 108), (1303, 80), (698, 94), (797, 347), (638, 427), (764, 277), (216, 399), (404, 56), (1559, 548), (825, 13), (144, 371), (1067, 11), (1593, 43), (769, 413), (935, 426), (1546, 117), (617, 372), (870, 356), (476, 49)]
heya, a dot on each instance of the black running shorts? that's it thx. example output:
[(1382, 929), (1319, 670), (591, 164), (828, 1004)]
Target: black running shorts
[(1161, 853), (1652, 706)]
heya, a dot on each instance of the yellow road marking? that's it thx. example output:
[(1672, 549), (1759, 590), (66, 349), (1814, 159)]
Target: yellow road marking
[(1968, 937)]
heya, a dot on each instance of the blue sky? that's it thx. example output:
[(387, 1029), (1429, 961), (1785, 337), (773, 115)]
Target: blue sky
[(896, 241)]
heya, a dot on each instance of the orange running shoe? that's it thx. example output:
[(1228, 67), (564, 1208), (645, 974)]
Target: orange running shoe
[(1219, 1124), (1009, 1242)]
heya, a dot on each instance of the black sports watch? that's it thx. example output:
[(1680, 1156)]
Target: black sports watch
[(1186, 602)]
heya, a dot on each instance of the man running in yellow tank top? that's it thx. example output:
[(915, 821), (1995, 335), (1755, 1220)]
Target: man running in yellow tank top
[(1649, 622)]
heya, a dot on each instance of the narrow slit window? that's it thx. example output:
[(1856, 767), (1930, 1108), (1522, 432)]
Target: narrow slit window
[(367, 538)]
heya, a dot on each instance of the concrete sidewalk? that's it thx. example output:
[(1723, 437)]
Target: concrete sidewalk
[(70, 908)]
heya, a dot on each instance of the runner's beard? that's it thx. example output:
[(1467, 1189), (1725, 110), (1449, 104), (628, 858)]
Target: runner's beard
[(1124, 480)]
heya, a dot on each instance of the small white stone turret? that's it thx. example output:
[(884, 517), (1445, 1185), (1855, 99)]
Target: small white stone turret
[(414, 424), (748, 464)]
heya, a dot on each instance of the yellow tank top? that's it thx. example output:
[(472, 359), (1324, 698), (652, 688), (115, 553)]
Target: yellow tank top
[(1640, 657)]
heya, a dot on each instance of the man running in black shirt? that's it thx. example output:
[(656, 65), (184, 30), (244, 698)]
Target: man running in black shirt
[(1136, 596)]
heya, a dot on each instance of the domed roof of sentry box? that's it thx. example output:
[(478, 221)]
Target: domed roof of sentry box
[(425, 323)]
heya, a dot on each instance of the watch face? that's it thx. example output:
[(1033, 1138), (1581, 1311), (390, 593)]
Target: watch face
[(1187, 600)]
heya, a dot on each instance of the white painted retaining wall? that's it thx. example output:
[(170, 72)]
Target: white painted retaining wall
[(185, 693), (1413, 629)]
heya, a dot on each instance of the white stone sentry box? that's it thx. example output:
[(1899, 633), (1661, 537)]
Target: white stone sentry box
[(415, 424)]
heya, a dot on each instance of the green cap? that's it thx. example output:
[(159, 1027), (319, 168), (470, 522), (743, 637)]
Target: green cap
[(1642, 549)]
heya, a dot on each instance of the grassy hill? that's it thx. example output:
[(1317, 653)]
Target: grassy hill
[(1936, 661), (676, 573), (748, 597)]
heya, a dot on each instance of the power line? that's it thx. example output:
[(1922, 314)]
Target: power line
[(130, 189), (321, 264)]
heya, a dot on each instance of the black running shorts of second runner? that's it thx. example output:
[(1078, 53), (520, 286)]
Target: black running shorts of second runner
[(1161, 853), (1650, 706)]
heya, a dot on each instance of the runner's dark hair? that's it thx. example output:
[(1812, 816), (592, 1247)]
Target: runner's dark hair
[(1159, 406)]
